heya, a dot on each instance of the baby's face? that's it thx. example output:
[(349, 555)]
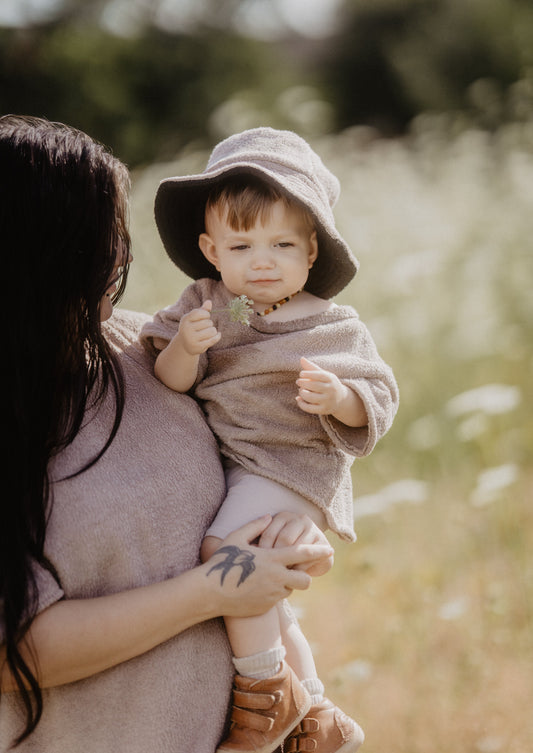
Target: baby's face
[(269, 261)]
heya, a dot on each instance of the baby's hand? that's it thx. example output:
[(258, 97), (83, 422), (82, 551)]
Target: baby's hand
[(288, 529), (319, 391), (197, 332)]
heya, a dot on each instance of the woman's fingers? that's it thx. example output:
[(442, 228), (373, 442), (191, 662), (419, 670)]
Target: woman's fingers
[(319, 567), (286, 529), (298, 580), (252, 530), (250, 579), (303, 554), (314, 546)]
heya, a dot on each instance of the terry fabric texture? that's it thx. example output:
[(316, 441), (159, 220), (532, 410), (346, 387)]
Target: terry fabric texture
[(246, 385), (138, 516)]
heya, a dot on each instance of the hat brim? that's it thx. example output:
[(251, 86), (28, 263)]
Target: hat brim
[(179, 214)]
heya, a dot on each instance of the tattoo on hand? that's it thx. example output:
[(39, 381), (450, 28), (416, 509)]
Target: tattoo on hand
[(235, 557)]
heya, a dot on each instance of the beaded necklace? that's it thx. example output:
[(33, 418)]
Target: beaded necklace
[(275, 306)]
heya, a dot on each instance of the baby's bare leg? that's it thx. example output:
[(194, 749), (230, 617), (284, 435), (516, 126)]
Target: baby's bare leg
[(247, 635), (299, 654)]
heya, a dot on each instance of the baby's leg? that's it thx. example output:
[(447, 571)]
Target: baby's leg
[(248, 497), (250, 637), (325, 728), (268, 700), (299, 654)]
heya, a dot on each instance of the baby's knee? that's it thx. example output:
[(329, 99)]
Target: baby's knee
[(209, 546)]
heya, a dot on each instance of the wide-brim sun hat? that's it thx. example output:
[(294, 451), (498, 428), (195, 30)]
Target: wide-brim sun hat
[(281, 158)]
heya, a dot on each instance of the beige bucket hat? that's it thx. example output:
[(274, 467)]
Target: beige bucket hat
[(279, 157)]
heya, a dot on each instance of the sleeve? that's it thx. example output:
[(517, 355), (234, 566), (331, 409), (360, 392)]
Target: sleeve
[(165, 324), (48, 592), (373, 380)]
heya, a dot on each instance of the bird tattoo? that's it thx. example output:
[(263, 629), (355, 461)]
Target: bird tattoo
[(235, 557)]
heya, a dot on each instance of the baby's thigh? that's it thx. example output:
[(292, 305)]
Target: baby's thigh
[(250, 496)]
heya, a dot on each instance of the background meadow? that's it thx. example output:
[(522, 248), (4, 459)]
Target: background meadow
[(424, 109), (424, 628)]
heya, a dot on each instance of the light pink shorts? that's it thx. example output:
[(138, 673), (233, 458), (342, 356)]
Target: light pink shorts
[(250, 496)]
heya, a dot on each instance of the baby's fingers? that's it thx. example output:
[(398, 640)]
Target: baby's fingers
[(308, 365), (196, 315)]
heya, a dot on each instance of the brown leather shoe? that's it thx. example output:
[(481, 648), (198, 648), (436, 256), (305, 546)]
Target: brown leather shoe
[(325, 729), (264, 712)]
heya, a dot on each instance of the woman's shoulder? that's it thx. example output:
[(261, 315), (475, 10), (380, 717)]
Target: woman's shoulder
[(124, 326), (122, 332)]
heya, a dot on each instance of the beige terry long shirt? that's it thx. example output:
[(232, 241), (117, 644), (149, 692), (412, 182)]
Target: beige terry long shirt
[(136, 517), (246, 386)]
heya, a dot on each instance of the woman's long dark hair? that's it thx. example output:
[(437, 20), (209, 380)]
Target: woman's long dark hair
[(63, 230)]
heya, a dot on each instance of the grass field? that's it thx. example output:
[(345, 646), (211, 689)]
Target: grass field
[(424, 628)]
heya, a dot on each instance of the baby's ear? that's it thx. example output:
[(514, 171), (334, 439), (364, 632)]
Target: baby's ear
[(313, 248), (208, 248)]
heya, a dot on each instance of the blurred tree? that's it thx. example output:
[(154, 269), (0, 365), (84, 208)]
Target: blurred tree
[(357, 67), (145, 76), (392, 59), (145, 95)]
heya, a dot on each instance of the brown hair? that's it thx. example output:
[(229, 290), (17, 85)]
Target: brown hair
[(244, 199)]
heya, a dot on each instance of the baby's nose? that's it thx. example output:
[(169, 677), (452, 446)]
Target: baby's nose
[(263, 257)]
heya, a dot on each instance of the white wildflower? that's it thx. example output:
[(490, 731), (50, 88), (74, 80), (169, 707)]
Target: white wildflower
[(472, 427), (491, 481), (409, 491), (490, 744), (491, 399), (454, 609), (358, 670), (239, 309), (424, 433)]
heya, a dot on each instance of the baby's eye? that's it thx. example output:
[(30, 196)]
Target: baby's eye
[(240, 247), (285, 244)]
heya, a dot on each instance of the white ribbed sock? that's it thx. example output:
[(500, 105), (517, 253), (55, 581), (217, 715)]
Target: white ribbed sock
[(315, 689), (260, 666)]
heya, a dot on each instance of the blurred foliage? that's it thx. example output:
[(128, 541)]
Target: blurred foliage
[(146, 80), (392, 59), (145, 96)]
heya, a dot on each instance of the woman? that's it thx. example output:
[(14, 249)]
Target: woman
[(107, 630)]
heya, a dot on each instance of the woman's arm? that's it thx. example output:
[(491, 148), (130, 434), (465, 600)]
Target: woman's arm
[(77, 638)]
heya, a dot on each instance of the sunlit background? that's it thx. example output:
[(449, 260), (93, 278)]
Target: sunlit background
[(424, 110)]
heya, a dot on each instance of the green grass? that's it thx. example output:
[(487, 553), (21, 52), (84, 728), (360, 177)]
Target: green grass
[(424, 628)]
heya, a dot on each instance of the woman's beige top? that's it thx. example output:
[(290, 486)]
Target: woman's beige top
[(136, 517)]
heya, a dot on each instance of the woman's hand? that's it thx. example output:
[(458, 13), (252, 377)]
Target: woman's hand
[(250, 579), (289, 529), (77, 638)]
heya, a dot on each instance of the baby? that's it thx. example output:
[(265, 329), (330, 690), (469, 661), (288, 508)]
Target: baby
[(293, 394)]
